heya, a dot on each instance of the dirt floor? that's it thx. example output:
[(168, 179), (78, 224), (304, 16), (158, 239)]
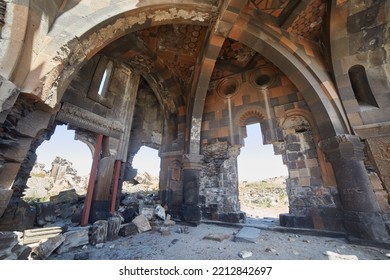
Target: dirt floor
[(189, 243)]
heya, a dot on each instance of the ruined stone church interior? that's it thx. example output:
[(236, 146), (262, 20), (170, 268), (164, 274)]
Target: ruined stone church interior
[(186, 78)]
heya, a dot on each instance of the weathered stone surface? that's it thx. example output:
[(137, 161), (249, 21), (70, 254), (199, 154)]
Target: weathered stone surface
[(335, 256), (142, 223), (8, 240), (73, 239), (65, 210), (46, 213), (67, 196), (35, 235), (128, 213), (128, 229), (248, 234), (9, 93), (148, 212), (18, 216), (5, 196), (190, 213), (47, 247), (217, 236), (23, 252), (130, 200), (98, 232), (114, 224)]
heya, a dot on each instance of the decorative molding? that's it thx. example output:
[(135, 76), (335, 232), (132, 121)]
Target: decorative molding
[(264, 77), (84, 119), (228, 87)]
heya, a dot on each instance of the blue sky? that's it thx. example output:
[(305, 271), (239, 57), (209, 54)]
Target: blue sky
[(256, 161)]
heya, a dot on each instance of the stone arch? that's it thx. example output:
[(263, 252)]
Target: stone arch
[(308, 75), (249, 116), (306, 187), (67, 54), (326, 167), (153, 69), (312, 82)]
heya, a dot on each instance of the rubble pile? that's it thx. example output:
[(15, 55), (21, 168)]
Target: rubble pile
[(57, 230), (62, 176)]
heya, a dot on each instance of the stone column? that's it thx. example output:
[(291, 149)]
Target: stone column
[(190, 210), (101, 200), (362, 217)]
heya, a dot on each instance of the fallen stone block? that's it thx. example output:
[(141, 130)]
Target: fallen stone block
[(8, 240), (248, 235), (128, 229), (148, 212), (114, 225), (160, 212), (245, 254), (31, 236), (98, 232), (22, 252), (47, 247), (217, 237), (74, 239), (142, 223)]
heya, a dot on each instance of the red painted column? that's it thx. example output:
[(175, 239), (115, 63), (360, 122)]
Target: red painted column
[(92, 178), (117, 171)]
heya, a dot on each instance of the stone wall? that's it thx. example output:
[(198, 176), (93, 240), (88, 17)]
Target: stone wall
[(218, 189), (262, 95)]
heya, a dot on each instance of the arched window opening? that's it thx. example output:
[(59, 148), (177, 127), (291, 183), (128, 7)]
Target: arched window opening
[(361, 87), (105, 81)]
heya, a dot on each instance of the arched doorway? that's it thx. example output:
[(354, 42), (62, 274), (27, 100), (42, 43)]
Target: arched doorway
[(62, 163), (262, 177)]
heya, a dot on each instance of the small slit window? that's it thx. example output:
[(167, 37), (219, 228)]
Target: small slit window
[(105, 81), (361, 87)]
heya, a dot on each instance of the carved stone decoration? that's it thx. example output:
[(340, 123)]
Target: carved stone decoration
[(84, 119), (263, 77), (228, 87)]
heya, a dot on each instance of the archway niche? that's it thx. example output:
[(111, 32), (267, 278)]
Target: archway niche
[(312, 204)]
